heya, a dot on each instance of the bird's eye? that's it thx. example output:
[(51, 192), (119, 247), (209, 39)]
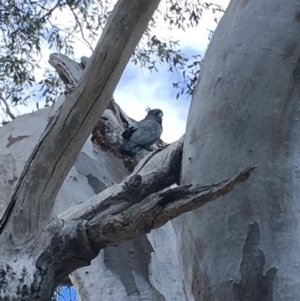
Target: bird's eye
[(160, 114)]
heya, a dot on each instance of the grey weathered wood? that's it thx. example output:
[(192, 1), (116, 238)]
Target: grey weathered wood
[(155, 211), (155, 172), (78, 242), (68, 70)]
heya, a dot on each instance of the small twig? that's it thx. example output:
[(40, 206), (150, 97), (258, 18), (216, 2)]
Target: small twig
[(81, 29), (51, 10), (7, 109)]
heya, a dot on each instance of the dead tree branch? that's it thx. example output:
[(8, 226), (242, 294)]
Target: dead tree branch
[(126, 210), (155, 172), (79, 241), (156, 210)]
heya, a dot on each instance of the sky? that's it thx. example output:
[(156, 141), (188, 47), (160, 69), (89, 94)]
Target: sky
[(139, 88), (155, 89), (67, 294)]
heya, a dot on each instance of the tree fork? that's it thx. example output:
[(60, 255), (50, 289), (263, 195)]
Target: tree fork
[(64, 246)]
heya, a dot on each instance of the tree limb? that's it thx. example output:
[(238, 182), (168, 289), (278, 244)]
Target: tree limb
[(157, 171), (156, 210), (81, 240), (65, 245), (7, 109)]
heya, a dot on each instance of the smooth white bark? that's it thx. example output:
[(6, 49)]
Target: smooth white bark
[(245, 110)]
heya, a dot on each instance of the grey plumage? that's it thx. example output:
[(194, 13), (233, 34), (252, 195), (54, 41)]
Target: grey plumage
[(144, 133)]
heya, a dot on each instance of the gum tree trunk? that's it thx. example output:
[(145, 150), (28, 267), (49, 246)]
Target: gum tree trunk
[(246, 110)]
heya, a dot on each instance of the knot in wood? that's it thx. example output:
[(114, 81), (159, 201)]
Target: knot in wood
[(134, 182)]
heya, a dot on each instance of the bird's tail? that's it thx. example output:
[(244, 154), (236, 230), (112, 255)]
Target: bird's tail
[(129, 147)]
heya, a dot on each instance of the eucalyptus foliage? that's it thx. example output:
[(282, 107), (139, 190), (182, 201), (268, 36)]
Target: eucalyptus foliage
[(28, 27)]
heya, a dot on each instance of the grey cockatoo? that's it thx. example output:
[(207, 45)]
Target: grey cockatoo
[(144, 133)]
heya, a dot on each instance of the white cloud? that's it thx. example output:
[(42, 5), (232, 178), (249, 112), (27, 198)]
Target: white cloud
[(195, 37), (137, 89), (136, 92)]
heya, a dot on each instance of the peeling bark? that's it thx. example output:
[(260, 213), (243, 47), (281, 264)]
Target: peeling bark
[(254, 284)]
